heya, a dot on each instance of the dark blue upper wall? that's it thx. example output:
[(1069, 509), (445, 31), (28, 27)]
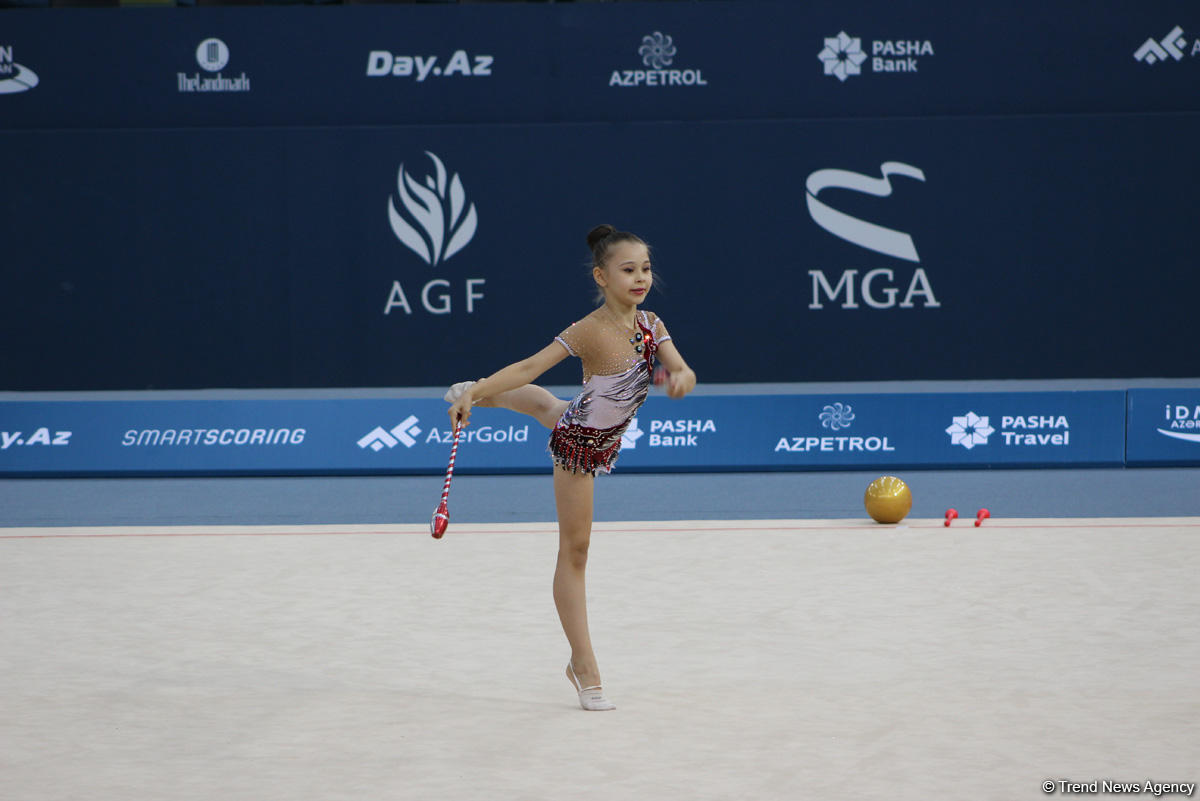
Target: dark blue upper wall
[(1020, 206)]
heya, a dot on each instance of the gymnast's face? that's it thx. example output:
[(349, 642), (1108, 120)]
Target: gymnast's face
[(626, 276)]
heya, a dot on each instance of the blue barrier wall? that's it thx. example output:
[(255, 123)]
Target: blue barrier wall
[(1164, 427), (359, 196), (704, 433)]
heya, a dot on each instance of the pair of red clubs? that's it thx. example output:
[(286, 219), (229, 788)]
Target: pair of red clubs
[(980, 516)]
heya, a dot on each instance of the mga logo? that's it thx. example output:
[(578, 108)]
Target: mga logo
[(868, 235), (14, 77), (404, 433)]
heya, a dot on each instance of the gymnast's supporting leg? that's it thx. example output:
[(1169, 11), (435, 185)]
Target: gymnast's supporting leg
[(573, 498)]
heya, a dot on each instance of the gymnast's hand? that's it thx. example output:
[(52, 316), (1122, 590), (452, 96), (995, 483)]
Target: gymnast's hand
[(681, 383)]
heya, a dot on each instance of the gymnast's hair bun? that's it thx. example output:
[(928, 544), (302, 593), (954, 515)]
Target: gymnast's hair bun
[(599, 234)]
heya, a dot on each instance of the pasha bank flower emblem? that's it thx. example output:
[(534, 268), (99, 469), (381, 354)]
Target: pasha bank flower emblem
[(842, 56), (435, 227), (970, 430), (657, 51), (835, 416)]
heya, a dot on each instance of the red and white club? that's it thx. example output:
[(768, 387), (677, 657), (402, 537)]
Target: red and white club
[(441, 515)]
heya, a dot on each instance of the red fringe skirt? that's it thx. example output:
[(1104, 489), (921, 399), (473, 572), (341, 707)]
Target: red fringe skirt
[(588, 450)]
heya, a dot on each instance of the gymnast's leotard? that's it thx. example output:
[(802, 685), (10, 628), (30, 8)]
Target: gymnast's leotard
[(616, 380)]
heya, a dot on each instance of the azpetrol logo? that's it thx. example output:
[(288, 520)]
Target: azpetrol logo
[(433, 220), (658, 53), (1180, 418), (1173, 45), (835, 416), (843, 55), (868, 235), (14, 77), (1020, 430), (213, 56)]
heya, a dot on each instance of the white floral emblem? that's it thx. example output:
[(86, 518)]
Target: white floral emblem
[(839, 415), (657, 51), (842, 56), (970, 430), (438, 227)]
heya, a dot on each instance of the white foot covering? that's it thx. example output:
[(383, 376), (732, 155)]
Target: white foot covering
[(456, 391), (590, 698)]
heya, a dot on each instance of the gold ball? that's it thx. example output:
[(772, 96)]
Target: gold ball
[(887, 499)]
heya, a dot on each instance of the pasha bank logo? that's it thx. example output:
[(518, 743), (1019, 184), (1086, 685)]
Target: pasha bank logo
[(14, 77), (878, 288), (433, 219), (843, 55)]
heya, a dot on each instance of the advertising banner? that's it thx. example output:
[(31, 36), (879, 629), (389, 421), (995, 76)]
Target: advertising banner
[(1164, 427), (699, 433), (587, 62)]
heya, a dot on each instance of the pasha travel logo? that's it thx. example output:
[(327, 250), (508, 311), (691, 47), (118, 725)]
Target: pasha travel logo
[(970, 430), (434, 220), (1017, 430), (213, 56), (1173, 46), (878, 288), (14, 77), (1182, 422), (843, 55), (658, 53)]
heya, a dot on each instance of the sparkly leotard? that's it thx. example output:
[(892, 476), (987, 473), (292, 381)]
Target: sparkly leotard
[(616, 381)]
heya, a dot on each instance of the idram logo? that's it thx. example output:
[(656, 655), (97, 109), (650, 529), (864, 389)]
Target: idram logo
[(432, 224)]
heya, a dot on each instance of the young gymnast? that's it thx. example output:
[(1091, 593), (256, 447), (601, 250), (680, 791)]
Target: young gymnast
[(617, 344)]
